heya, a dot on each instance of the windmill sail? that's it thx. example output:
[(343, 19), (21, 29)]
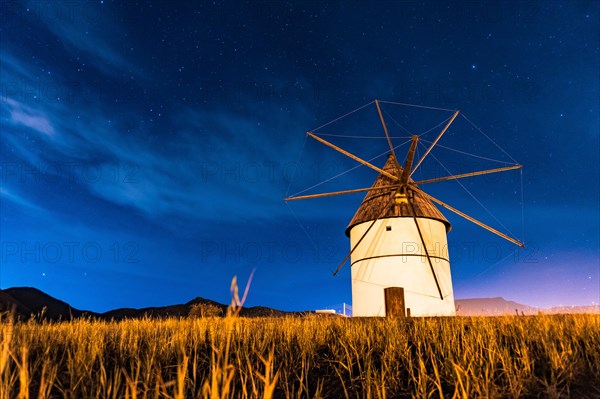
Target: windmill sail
[(398, 246)]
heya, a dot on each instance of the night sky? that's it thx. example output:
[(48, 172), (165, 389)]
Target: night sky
[(146, 149)]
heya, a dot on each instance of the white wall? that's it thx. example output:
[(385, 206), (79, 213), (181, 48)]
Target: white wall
[(396, 258)]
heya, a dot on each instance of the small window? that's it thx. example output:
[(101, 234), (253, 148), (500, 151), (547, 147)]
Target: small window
[(388, 228)]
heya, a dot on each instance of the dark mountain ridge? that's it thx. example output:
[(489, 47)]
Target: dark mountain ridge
[(27, 302)]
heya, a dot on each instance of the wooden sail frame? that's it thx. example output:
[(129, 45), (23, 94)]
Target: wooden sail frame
[(470, 174), (385, 129), (435, 141), (404, 184)]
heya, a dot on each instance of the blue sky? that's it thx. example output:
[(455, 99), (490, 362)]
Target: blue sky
[(146, 149)]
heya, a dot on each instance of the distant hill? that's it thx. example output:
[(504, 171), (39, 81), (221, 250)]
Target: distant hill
[(10, 303), (572, 309), (184, 311), (491, 307), (499, 306), (26, 301)]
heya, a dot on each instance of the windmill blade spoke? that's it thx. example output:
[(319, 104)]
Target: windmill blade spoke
[(381, 213), (385, 129), (435, 141), (362, 161), (409, 160), (469, 218), (330, 194), (461, 176), (437, 283)]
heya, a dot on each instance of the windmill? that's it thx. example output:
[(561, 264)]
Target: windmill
[(398, 254)]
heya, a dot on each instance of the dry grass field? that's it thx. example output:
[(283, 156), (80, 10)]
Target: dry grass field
[(295, 357)]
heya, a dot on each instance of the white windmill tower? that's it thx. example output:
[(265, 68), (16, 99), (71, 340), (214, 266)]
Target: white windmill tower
[(399, 253)]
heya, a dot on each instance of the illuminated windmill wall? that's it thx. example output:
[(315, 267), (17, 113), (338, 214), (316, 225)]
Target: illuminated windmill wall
[(398, 248)]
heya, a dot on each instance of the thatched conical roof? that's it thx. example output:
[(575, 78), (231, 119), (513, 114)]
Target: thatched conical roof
[(376, 200)]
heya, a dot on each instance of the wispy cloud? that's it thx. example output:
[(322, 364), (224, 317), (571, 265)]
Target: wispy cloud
[(22, 114), (17, 199), (203, 164), (222, 175)]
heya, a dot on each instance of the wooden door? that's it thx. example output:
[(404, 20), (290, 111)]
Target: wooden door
[(394, 302)]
